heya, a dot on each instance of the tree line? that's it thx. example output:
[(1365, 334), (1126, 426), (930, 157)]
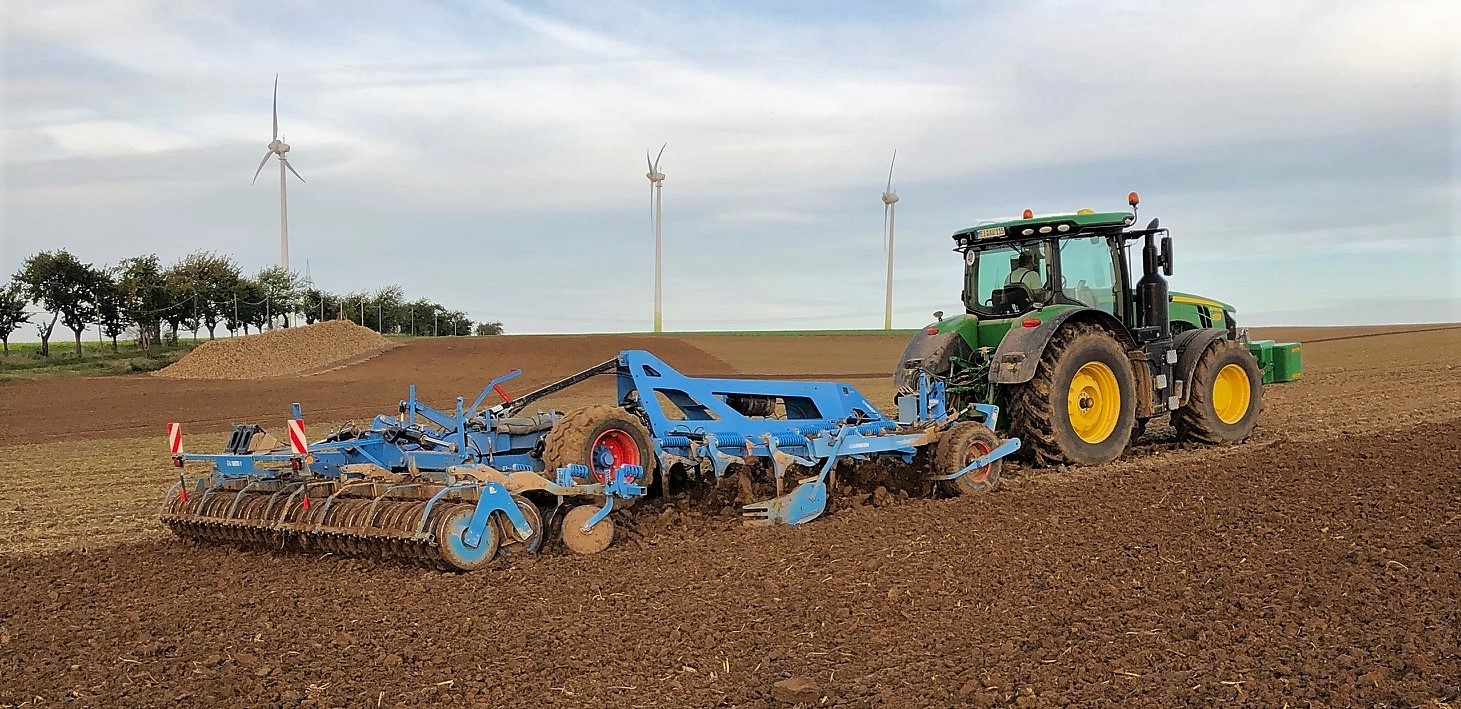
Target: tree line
[(201, 291)]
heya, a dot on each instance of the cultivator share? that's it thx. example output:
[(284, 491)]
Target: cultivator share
[(454, 489)]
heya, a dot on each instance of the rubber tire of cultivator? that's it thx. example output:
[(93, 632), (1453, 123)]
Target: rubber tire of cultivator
[(572, 439), (959, 446), (1039, 411), (1212, 389)]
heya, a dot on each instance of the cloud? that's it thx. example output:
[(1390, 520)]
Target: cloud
[(490, 154)]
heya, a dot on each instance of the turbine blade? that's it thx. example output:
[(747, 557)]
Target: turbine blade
[(890, 171), (261, 166), (661, 154), (291, 169), (648, 163), (276, 107)]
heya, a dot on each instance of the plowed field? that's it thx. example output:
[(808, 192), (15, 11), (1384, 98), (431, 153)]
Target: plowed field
[(1318, 565)]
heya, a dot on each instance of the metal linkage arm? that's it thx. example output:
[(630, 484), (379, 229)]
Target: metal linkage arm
[(507, 408)]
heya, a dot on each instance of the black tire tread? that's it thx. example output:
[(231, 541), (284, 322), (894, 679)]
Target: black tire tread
[(1031, 405), (1196, 420), (565, 442), (948, 455)]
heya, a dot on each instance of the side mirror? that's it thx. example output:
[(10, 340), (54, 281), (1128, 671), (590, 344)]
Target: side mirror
[(1153, 224), (1166, 254)]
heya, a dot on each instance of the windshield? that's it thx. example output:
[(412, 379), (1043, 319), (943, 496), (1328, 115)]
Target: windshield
[(1006, 279)]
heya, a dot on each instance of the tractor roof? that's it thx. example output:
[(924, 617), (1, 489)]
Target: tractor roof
[(1084, 221)]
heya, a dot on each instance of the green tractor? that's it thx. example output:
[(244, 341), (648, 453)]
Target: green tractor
[(1078, 356)]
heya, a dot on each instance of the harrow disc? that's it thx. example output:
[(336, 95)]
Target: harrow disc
[(593, 541), (454, 549), (511, 545)]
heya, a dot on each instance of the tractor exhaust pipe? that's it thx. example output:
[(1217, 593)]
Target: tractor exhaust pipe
[(1152, 296)]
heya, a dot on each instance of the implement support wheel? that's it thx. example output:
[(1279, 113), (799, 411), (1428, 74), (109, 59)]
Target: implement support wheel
[(511, 545), (1226, 396), (961, 445), (602, 437)]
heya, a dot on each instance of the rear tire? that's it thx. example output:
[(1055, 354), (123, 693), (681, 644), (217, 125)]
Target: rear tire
[(1226, 396), (1080, 407), (959, 446)]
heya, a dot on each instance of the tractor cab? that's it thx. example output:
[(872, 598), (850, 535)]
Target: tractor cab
[(1015, 266)]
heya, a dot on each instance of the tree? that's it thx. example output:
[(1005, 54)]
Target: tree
[(144, 297), (64, 286), (209, 281), (455, 323), (282, 291), (320, 305), (109, 305), (252, 306), (383, 308), (489, 328), (12, 312)]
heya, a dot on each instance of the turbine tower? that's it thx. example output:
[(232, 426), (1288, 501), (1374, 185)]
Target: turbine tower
[(280, 148), (890, 220), (656, 191)]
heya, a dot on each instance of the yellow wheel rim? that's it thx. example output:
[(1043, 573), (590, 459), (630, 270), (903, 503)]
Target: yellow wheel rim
[(1231, 394), (1094, 402)]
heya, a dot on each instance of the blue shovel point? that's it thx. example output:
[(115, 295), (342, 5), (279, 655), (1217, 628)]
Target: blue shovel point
[(804, 503)]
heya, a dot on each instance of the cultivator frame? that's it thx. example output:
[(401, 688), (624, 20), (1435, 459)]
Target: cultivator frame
[(453, 490)]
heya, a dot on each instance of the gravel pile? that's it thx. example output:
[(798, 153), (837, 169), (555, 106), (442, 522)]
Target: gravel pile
[(278, 353)]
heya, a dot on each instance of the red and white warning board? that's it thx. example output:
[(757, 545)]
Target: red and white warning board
[(296, 437), (175, 438)]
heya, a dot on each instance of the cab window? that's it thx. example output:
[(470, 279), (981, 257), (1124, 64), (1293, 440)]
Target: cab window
[(1088, 273)]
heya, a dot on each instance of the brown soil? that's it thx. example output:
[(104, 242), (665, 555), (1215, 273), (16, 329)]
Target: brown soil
[(1290, 573), (277, 353), (1319, 564)]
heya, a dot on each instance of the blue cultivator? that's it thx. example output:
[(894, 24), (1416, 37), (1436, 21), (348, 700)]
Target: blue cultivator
[(455, 489)]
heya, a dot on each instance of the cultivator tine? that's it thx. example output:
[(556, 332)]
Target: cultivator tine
[(804, 503)]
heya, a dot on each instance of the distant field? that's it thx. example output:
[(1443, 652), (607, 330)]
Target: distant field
[(97, 359)]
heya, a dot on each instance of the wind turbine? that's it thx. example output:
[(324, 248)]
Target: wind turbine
[(656, 191), (280, 148), (890, 220)]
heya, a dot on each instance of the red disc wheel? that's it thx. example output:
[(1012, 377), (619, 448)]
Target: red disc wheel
[(614, 449)]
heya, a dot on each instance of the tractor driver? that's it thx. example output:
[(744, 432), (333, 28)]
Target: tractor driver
[(1026, 276)]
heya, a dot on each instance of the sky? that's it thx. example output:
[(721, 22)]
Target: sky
[(490, 155)]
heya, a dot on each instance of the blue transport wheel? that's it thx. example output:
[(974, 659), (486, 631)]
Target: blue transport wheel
[(511, 545), (455, 550)]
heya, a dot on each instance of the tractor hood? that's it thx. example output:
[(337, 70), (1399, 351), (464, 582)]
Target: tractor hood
[(1191, 299)]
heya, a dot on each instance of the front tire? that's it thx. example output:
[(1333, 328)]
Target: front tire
[(1226, 396), (1080, 407)]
